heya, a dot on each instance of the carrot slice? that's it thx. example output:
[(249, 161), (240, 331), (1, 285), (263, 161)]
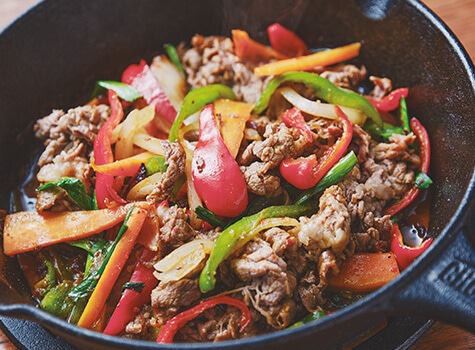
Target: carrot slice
[(29, 230), (320, 58), (113, 268), (365, 272)]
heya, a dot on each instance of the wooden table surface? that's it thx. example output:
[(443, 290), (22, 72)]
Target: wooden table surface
[(459, 16)]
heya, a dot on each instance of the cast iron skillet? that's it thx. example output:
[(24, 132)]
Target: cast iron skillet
[(51, 57)]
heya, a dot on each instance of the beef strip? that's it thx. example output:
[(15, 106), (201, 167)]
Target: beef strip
[(175, 160)]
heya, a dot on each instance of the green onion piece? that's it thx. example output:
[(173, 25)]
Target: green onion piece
[(124, 91), (404, 115), (135, 286), (173, 56), (75, 190), (209, 217), (309, 318), (89, 283), (335, 174), (422, 181)]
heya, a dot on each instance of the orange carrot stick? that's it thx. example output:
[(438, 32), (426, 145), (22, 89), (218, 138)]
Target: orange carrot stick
[(320, 58), (113, 268), (29, 230)]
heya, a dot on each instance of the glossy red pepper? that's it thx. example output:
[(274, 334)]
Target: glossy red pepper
[(424, 149), (306, 172), (131, 301), (293, 118), (103, 151), (405, 254), (251, 50), (390, 102), (216, 174), (140, 76), (168, 331), (286, 41)]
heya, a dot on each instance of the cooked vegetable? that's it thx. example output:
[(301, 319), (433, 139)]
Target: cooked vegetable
[(424, 144), (140, 76), (133, 299), (29, 230), (103, 152), (308, 62), (167, 333), (286, 41), (306, 172), (404, 253), (113, 265), (250, 50), (390, 102), (365, 272), (75, 189), (124, 91), (216, 175), (324, 90), (197, 99), (228, 239)]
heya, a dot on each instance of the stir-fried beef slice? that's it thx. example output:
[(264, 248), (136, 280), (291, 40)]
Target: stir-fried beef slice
[(174, 229), (212, 60), (260, 182), (144, 324), (169, 297), (330, 227), (382, 86), (58, 129), (216, 324), (347, 76), (175, 160), (268, 285), (310, 294)]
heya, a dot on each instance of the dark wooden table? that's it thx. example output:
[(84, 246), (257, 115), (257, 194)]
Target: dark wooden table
[(459, 16)]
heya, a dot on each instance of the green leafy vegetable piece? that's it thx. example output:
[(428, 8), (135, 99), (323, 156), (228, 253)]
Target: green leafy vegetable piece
[(124, 91), (75, 190)]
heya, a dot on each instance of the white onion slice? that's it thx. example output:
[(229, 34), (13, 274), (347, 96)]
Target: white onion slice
[(320, 109), (183, 261)]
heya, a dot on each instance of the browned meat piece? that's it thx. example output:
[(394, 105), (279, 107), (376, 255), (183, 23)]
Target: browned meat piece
[(382, 86), (212, 60), (169, 297), (330, 227), (175, 229), (259, 182), (59, 128), (175, 159), (347, 76)]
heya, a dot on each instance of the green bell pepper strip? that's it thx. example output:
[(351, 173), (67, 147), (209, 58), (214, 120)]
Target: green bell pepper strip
[(229, 238), (195, 100), (324, 89), (335, 174), (174, 57)]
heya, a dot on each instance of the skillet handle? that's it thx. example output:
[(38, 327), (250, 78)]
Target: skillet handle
[(445, 290)]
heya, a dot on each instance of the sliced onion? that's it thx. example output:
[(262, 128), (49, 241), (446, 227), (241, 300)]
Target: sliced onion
[(144, 187), (183, 261), (320, 109), (149, 143)]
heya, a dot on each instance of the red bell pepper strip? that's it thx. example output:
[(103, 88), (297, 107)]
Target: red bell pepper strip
[(216, 174), (168, 331), (103, 151), (424, 148), (251, 50), (293, 117), (390, 102), (131, 301), (405, 254), (286, 41), (140, 76), (306, 172)]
